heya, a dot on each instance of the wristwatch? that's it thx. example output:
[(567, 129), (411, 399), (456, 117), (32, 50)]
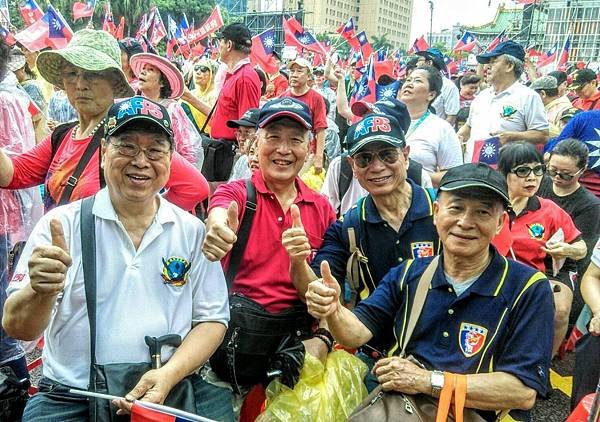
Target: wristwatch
[(437, 383)]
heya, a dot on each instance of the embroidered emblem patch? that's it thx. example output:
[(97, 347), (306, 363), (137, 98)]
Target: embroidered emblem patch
[(536, 231), (471, 338), (175, 271), (508, 111), (421, 249)]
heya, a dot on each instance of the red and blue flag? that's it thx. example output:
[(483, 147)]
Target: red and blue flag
[(261, 54), (420, 44), (501, 37), (347, 29), (296, 35), (487, 151), (83, 10), (466, 43), (563, 59), (30, 11), (548, 57)]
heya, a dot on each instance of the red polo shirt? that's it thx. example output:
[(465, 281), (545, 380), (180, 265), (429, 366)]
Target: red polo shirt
[(530, 230), (280, 84), (240, 92), (264, 272), (316, 105), (592, 103)]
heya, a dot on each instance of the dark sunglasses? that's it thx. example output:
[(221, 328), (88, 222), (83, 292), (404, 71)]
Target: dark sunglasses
[(201, 68), (525, 171), (563, 176), (387, 156)]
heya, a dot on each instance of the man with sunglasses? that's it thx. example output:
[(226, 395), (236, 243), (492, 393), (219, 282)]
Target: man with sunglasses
[(585, 85), (393, 223)]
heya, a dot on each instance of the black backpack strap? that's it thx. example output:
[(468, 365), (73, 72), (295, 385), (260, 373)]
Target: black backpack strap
[(212, 110), (88, 261), (87, 155), (58, 134), (415, 171), (346, 175), (242, 235)]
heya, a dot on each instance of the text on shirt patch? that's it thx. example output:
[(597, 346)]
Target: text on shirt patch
[(175, 271), (471, 338)]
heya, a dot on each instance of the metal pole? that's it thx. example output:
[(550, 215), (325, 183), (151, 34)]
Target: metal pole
[(430, 22)]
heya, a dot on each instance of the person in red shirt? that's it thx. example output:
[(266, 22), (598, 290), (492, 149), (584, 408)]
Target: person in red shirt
[(278, 82), (282, 201), (300, 74), (585, 85), (533, 222)]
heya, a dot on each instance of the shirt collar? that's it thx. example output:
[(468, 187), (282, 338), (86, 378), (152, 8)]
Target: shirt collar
[(305, 194), (103, 208), (489, 283), (593, 98), (239, 65), (420, 206), (510, 90), (533, 204)]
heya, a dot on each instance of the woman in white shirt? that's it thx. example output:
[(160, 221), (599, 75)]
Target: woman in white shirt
[(432, 140)]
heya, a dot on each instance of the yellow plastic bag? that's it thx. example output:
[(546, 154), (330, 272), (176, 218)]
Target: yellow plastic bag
[(324, 393), (313, 180)]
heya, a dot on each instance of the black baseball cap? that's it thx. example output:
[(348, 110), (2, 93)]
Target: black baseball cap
[(390, 106), (507, 47), (473, 175), (560, 76), (249, 119), (285, 107), (374, 127), (582, 77), (237, 33), (135, 109), (436, 57)]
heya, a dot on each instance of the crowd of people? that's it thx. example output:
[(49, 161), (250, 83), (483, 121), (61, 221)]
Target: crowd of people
[(260, 217)]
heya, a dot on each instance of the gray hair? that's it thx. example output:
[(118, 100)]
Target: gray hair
[(517, 64), (260, 132)]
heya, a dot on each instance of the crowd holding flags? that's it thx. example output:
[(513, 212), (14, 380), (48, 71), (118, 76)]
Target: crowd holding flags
[(83, 10)]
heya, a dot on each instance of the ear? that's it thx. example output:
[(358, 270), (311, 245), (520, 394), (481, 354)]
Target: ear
[(501, 219), (436, 210), (406, 152), (103, 147), (352, 165)]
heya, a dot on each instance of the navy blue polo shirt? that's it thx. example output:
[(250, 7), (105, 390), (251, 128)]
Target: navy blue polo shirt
[(504, 322), (381, 244)]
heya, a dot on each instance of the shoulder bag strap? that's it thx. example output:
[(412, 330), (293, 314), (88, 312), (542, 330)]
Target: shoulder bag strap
[(242, 235), (212, 110), (88, 259), (92, 147), (419, 301)]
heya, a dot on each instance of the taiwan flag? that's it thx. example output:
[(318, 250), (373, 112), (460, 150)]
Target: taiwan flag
[(150, 412), (261, 53), (360, 42), (7, 35), (365, 87), (59, 31), (487, 151), (385, 92), (30, 11), (548, 57), (83, 10), (501, 37), (347, 30), (420, 44), (296, 35), (563, 59), (467, 43)]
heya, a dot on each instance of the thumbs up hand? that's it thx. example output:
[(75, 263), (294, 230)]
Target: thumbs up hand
[(221, 228), (323, 295), (48, 264), (294, 240)]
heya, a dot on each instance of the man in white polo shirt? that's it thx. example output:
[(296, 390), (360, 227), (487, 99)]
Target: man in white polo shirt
[(507, 109), (152, 278)]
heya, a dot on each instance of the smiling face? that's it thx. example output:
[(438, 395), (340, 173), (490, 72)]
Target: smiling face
[(282, 149), (416, 89), (524, 186), (149, 78), (90, 93), (136, 179), (466, 226), (380, 178)]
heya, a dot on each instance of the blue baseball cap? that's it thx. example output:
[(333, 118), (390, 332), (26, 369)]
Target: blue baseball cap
[(136, 109), (507, 47), (389, 106), (374, 127), (285, 107), (436, 57)]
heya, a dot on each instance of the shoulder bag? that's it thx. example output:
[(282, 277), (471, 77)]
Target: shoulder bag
[(388, 406), (116, 378)]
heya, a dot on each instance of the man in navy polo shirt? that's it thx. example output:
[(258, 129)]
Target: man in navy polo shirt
[(484, 316), (391, 224)]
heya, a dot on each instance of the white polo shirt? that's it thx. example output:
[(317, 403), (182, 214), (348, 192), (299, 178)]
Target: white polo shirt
[(136, 295), (448, 102), (434, 144), (517, 108)]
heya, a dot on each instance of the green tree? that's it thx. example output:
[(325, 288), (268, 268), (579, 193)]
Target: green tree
[(381, 43)]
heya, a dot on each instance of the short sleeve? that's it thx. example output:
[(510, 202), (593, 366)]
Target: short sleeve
[(334, 250), (330, 186), (449, 153), (535, 115), (596, 254)]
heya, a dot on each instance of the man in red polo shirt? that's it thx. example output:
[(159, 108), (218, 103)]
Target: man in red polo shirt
[(300, 74), (585, 85), (263, 276)]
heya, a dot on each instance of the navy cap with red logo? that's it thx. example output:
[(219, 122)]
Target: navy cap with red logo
[(137, 109), (285, 107), (374, 128)]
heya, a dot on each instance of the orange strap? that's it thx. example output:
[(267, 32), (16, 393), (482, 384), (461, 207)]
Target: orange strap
[(460, 397), (446, 397)]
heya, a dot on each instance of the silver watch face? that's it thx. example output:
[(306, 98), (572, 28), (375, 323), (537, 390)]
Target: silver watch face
[(437, 380)]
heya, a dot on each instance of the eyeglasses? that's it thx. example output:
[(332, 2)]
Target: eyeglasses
[(71, 76), (525, 171), (563, 176), (132, 150), (387, 156), (201, 68)]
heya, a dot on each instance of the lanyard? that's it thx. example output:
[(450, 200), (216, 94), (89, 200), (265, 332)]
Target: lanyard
[(414, 126)]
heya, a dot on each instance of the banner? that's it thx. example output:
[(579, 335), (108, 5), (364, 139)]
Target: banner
[(212, 24)]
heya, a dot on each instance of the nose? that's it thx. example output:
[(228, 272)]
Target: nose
[(140, 160)]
